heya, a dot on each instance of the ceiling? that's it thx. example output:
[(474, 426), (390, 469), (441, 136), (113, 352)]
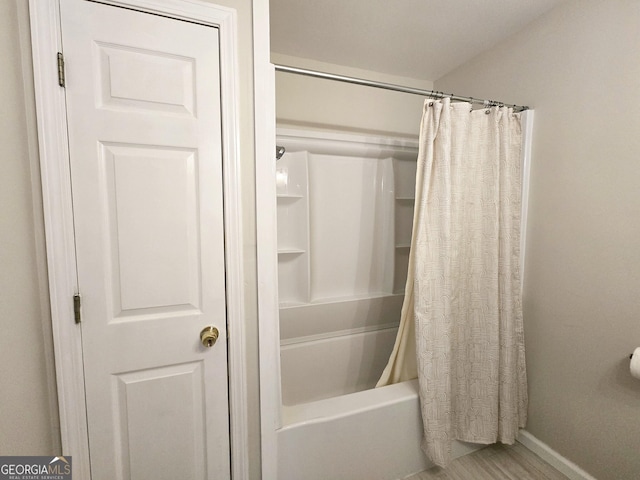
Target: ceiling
[(422, 39)]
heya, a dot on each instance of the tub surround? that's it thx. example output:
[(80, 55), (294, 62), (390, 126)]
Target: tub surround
[(345, 209)]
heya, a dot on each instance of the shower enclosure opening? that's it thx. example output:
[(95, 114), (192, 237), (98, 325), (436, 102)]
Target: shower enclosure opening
[(344, 214)]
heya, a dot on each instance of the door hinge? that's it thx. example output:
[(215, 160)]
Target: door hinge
[(60, 69), (77, 305)]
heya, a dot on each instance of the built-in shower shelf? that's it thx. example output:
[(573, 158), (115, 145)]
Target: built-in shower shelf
[(293, 228), (351, 298), (291, 304), (405, 199), (291, 251), (286, 196), (403, 245)]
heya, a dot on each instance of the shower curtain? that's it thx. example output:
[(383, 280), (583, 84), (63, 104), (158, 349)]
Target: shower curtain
[(461, 327)]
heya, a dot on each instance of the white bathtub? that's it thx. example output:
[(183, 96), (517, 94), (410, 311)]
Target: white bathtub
[(371, 434)]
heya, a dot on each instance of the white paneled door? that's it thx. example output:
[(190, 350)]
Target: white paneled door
[(143, 106)]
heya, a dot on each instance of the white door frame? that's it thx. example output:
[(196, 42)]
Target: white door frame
[(58, 219), (266, 226)]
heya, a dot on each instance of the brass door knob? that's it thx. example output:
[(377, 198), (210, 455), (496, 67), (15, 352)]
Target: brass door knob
[(209, 335)]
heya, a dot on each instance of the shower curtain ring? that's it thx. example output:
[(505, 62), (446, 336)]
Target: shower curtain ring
[(433, 95)]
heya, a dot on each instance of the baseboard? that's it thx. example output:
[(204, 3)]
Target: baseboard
[(553, 458)]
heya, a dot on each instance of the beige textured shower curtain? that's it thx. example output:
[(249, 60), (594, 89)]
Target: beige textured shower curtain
[(461, 328)]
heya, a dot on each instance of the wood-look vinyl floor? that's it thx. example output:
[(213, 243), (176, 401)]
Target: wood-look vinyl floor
[(495, 462)]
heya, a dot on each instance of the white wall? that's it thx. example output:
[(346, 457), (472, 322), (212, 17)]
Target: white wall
[(29, 424), (579, 67), (28, 418), (325, 104)]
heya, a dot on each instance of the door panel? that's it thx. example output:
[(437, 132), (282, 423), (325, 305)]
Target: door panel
[(164, 83), (143, 104), (172, 421), (146, 273)]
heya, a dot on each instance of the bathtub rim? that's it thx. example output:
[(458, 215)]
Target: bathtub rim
[(334, 408)]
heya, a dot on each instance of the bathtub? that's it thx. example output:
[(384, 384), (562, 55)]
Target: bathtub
[(371, 434)]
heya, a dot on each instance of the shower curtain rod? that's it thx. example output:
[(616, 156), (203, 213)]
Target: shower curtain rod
[(395, 88)]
